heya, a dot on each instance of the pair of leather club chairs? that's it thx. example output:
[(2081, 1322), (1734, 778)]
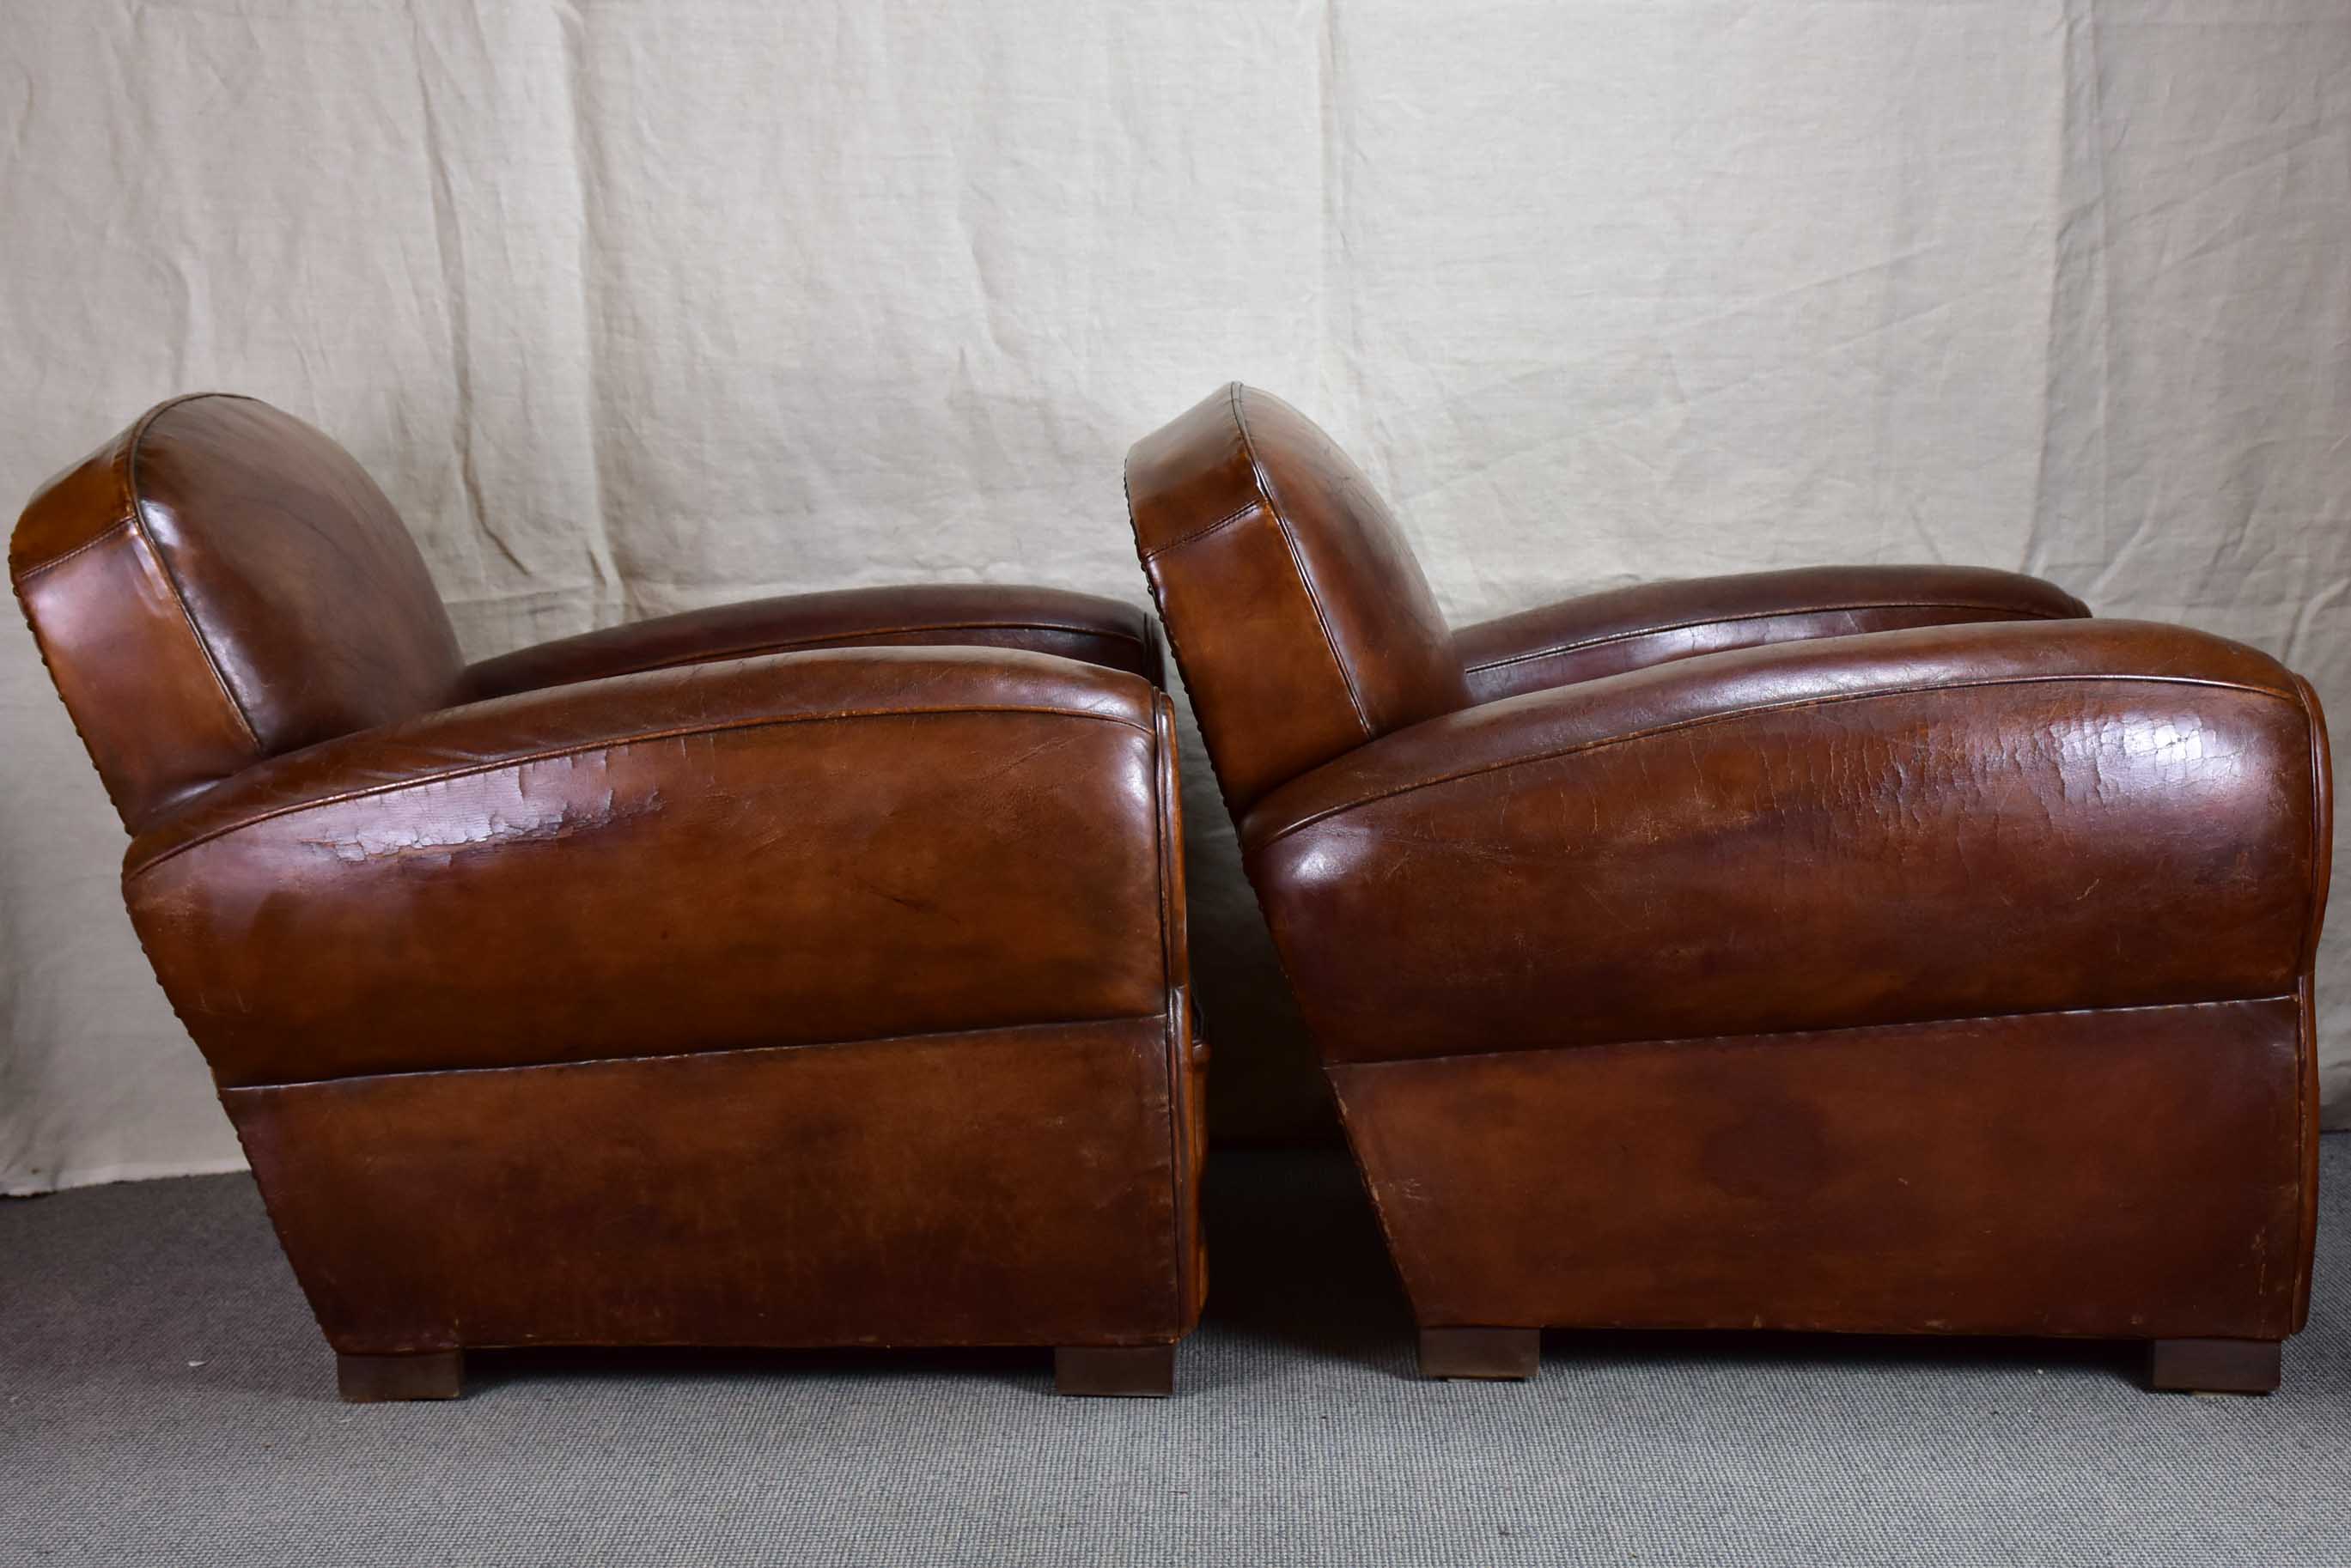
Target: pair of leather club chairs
[(1887, 950)]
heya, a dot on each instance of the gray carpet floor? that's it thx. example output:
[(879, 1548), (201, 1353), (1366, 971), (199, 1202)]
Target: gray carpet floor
[(165, 1398)]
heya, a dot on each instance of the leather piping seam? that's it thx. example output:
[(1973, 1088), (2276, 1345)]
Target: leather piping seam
[(1175, 642), (2306, 1156), (163, 564), (1178, 1059), (2321, 814), (1602, 641), (27, 574), (1700, 720), (612, 743), (1296, 561), (1237, 514), (1805, 1034), (2305, 1015), (838, 639), (694, 1055)]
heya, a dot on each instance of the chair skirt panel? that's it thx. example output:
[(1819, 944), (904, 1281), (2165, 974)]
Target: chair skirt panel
[(2134, 1173)]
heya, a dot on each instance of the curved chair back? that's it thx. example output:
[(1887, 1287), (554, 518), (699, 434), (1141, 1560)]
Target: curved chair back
[(1299, 618), (221, 583)]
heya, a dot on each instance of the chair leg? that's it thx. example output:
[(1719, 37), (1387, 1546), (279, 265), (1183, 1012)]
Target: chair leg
[(1130, 1371), (1508, 1353), (2214, 1365), (426, 1375)]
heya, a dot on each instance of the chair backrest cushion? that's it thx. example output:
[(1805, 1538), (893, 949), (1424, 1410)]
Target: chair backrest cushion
[(221, 583), (1299, 617)]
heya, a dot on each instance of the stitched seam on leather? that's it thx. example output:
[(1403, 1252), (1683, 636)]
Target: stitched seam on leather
[(1796, 705), (27, 574), (687, 1055), (1224, 521), (1760, 615), (2305, 1013), (1174, 1059), (1159, 608), (614, 742), (1298, 562), (172, 578), (2305, 1169), (2321, 814), (2302, 1073), (1805, 1034), (850, 640)]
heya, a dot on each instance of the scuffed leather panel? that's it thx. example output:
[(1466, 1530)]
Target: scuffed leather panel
[(829, 683), (2130, 1174), (1911, 826), (1011, 1187), (1511, 731), (157, 722), (811, 846)]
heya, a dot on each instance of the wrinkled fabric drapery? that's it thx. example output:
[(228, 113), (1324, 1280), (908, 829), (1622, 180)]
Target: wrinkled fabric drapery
[(638, 307)]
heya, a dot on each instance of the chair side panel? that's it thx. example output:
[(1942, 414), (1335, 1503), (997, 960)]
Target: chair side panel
[(2133, 1173), (1006, 1187)]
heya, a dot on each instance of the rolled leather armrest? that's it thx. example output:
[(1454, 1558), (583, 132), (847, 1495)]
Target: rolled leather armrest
[(1650, 623), (807, 848), (1946, 822), (1044, 620)]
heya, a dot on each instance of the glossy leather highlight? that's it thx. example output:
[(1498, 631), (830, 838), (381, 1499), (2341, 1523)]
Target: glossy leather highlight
[(1284, 581), (219, 584)]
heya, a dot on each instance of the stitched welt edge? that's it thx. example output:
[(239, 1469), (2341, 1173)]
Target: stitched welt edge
[(1793, 705), (2322, 813), (1176, 1058), (2008, 610), (1239, 513), (1298, 562), (27, 574), (171, 578), (843, 640), (1760, 1034), (609, 743), (581, 1062), (2305, 1077)]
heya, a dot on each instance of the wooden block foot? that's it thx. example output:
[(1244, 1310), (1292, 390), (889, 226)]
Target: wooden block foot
[(1491, 1353), (1132, 1371), (2214, 1365), (426, 1375)]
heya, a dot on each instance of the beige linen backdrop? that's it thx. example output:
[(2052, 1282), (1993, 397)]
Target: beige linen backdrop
[(634, 307)]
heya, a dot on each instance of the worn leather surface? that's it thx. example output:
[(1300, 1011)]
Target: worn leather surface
[(1286, 589), (219, 584), (1045, 621), (1888, 949), (728, 981), (1651, 623), (813, 846), (2130, 1172), (1904, 825), (881, 1192)]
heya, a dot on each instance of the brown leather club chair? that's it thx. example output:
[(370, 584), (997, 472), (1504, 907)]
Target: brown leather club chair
[(802, 973), (1885, 949)]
